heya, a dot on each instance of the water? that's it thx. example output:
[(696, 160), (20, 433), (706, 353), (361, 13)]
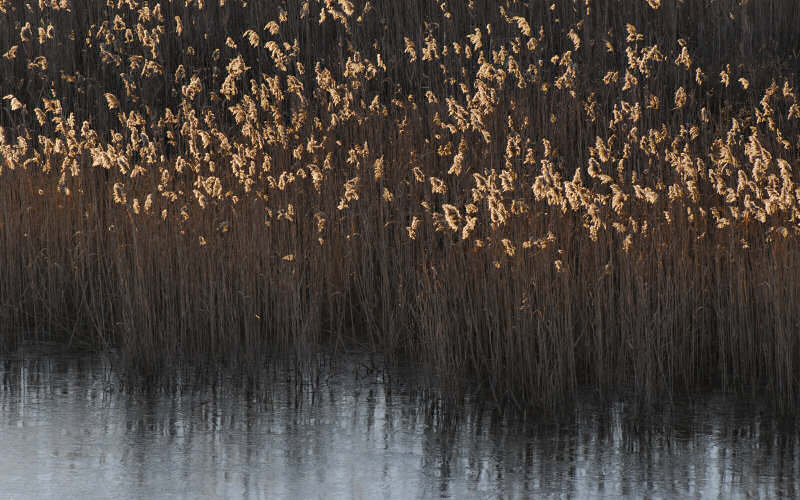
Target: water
[(67, 430)]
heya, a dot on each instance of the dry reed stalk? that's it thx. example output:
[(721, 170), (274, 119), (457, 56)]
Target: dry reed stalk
[(534, 195)]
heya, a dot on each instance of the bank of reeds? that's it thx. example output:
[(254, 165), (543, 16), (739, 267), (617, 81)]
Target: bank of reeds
[(537, 195)]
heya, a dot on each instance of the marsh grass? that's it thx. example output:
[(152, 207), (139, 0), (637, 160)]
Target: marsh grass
[(538, 196)]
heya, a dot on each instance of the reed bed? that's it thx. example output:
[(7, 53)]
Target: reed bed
[(535, 195)]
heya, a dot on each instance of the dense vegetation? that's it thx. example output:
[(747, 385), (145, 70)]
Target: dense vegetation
[(540, 195)]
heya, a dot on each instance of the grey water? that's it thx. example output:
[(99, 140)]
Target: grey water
[(69, 428)]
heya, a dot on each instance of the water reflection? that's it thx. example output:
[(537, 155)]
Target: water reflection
[(68, 431)]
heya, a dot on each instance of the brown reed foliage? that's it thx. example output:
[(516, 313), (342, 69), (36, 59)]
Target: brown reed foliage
[(536, 195)]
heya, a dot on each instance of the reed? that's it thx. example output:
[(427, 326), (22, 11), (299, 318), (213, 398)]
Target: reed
[(535, 195)]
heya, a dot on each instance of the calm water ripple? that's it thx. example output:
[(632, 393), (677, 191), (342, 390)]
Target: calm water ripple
[(68, 431)]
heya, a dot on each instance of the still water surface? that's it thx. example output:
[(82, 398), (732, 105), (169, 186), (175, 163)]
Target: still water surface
[(68, 430)]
